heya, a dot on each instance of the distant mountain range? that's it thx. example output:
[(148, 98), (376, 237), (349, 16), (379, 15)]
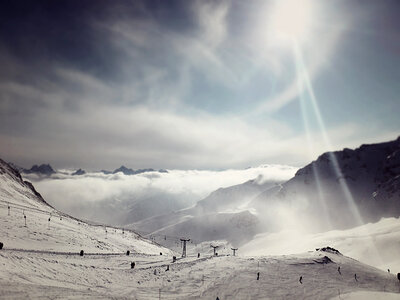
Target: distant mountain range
[(129, 171), (47, 170), (43, 169), (341, 189)]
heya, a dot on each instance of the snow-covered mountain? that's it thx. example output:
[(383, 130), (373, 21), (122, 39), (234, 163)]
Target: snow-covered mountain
[(40, 259), (28, 223), (223, 215), (13, 189), (340, 189)]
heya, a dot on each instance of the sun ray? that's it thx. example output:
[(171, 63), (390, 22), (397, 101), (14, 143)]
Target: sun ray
[(311, 151), (305, 79)]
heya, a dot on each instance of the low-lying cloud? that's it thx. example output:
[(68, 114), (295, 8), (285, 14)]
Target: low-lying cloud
[(108, 198)]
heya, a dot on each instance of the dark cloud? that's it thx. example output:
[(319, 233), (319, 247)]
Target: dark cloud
[(188, 84)]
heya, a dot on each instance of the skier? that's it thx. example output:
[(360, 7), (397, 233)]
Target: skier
[(338, 269), (355, 277), (258, 275), (301, 280)]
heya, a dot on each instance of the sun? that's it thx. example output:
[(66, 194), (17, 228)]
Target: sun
[(290, 20)]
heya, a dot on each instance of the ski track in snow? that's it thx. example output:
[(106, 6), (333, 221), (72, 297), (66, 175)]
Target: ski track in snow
[(228, 277)]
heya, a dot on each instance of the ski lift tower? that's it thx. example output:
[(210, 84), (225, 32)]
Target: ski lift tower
[(215, 249), (234, 251), (184, 246)]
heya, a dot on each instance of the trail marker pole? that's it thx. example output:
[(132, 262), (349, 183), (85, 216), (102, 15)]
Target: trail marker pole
[(184, 246)]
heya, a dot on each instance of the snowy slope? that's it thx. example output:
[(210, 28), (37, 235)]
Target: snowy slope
[(50, 230), (376, 244), (41, 261), (38, 275), (234, 198), (17, 191), (224, 214)]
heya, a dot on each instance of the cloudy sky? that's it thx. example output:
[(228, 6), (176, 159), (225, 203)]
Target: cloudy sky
[(195, 84)]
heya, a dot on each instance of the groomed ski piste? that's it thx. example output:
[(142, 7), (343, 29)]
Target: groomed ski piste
[(42, 260)]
